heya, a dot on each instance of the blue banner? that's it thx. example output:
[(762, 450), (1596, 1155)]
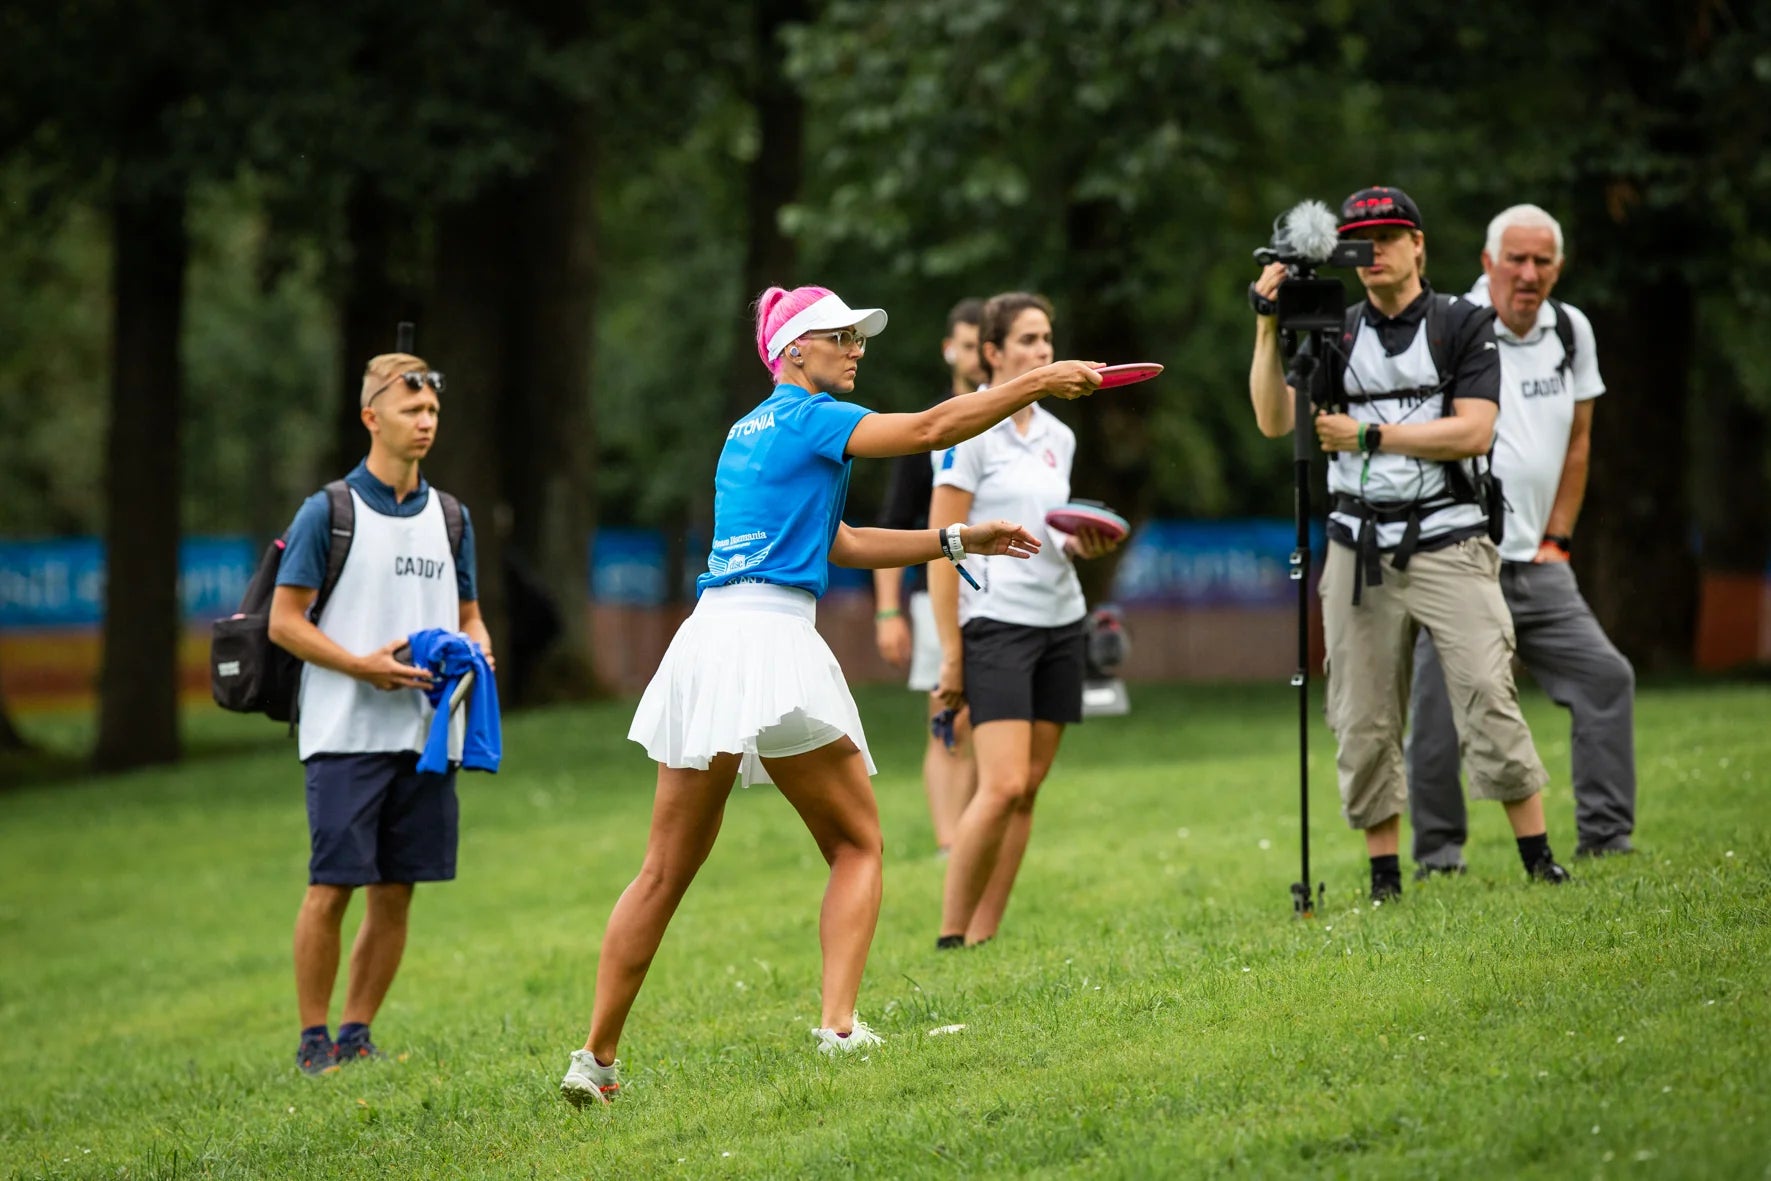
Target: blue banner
[(62, 583), (1239, 563), (627, 567)]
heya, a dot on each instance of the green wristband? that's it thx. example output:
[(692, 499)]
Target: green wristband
[(1362, 436), (888, 613)]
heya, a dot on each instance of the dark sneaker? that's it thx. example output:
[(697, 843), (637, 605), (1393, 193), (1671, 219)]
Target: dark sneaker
[(1615, 847), (316, 1055), (1456, 870), (1386, 888), (356, 1048), (949, 942), (1546, 870)]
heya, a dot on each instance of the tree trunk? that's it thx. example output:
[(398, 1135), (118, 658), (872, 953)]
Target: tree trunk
[(549, 429), (1113, 447), (1733, 499), (466, 337), (138, 685), (772, 181), (374, 304), (1633, 547)]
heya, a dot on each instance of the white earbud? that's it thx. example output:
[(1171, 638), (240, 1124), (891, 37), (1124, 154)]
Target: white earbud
[(951, 355), (794, 352)]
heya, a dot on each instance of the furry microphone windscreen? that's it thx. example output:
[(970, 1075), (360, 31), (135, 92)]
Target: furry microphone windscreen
[(1308, 231)]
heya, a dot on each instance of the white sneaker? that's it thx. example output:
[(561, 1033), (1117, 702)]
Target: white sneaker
[(859, 1038), (589, 1080)]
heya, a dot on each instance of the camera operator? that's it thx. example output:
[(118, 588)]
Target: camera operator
[(1549, 380), (1413, 391)]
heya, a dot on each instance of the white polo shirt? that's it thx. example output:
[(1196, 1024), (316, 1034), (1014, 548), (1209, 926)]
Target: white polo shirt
[(1017, 478), (1537, 396)]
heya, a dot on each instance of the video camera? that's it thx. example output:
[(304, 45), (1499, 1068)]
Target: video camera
[(1305, 238)]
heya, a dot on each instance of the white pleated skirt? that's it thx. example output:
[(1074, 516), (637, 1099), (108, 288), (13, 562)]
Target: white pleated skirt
[(747, 674)]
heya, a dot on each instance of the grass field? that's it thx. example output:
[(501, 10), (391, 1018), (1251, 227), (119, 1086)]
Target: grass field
[(1150, 1010)]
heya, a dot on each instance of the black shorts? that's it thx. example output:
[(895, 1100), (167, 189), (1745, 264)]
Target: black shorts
[(376, 818), (1019, 673)]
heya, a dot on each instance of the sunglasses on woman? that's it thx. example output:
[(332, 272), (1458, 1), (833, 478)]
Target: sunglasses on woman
[(844, 338)]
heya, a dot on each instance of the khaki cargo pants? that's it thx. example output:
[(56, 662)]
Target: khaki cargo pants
[(1454, 593)]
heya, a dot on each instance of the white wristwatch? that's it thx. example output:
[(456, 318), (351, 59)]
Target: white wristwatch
[(953, 545)]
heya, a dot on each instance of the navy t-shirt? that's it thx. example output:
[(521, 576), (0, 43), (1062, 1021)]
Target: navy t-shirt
[(907, 499), (308, 541), (779, 490)]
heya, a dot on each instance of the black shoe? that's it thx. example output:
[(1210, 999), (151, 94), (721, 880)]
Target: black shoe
[(1546, 870), (1424, 872), (1386, 888), (316, 1055), (357, 1048), (1615, 847), (949, 942)]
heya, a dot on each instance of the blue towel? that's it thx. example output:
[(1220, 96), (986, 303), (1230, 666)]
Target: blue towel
[(448, 656)]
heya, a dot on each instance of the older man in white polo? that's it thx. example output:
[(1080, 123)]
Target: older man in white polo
[(1549, 381)]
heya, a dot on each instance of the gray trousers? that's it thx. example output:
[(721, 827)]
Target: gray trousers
[(1572, 659)]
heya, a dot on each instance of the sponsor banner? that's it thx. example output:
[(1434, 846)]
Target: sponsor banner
[(627, 567), (61, 583), (1235, 563)]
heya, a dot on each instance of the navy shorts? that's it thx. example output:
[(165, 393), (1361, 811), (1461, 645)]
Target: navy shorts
[(1019, 673), (375, 818)]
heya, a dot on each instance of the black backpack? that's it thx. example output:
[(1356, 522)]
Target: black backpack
[(1481, 487), (247, 673)]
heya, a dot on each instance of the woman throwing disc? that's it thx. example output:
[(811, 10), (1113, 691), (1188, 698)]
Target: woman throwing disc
[(748, 688), (1012, 646)]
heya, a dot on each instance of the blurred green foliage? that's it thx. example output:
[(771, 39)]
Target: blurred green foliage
[(950, 150)]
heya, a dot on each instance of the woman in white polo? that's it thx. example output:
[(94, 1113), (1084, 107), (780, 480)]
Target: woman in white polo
[(1012, 648)]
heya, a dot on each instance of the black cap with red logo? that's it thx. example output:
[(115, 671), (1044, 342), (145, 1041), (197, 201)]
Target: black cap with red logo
[(1379, 206)]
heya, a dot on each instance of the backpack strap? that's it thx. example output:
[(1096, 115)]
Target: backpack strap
[(1565, 334), (1350, 326), (453, 520), (1339, 398), (344, 527), (1433, 324)]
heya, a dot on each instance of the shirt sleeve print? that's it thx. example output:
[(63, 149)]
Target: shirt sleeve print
[(960, 466), (1587, 383), (828, 424), (307, 544)]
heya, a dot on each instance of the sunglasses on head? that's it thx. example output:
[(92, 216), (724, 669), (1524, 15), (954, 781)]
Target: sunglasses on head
[(417, 379)]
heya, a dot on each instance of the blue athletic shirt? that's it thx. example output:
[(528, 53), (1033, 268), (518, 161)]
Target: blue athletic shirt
[(779, 491), (308, 541)]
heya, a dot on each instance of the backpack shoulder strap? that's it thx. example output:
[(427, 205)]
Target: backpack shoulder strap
[(344, 527), (1343, 356), (453, 520), (1564, 333), (1438, 343)]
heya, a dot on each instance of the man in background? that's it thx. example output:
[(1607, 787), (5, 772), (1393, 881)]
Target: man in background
[(909, 641), (1549, 384)]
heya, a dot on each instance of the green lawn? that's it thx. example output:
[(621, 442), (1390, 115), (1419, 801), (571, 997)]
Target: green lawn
[(1150, 1010)]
